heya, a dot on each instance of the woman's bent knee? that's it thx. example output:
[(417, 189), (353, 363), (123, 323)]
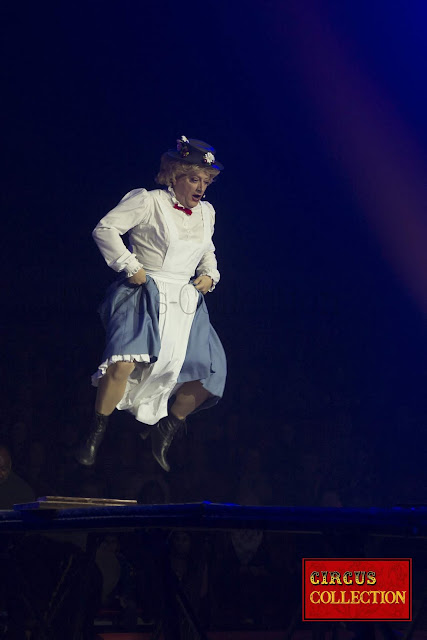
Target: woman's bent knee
[(120, 370)]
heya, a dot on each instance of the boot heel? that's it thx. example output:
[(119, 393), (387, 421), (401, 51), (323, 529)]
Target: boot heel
[(161, 438), (86, 453)]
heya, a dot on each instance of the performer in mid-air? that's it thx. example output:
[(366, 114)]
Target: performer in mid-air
[(163, 360)]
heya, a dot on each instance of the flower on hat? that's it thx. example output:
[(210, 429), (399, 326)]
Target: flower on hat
[(182, 141), (209, 158), (182, 146)]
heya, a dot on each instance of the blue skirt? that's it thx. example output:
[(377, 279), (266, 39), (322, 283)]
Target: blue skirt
[(130, 315)]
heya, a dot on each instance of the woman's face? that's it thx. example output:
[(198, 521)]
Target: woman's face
[(189, 188)]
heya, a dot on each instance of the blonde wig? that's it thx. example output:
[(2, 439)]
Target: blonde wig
[(171, 169)]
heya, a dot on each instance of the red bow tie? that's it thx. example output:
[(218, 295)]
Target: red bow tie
[(187, 211)]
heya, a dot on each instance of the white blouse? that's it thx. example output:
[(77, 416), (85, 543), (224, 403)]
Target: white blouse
[(139, 213)]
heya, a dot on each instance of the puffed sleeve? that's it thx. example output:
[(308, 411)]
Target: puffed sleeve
[(133, 209), (208, 264)]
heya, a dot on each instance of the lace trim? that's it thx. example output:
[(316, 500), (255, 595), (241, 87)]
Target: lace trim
[(131, 270), (175, 201), (173, 196), (144, 358)]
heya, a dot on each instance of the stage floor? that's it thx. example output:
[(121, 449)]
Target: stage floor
[(296, 532), (406, 522)]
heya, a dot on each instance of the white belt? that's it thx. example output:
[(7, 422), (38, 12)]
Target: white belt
[(166, 276)]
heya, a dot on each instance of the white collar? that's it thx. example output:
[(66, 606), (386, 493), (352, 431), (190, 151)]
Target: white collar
[(174, 199)]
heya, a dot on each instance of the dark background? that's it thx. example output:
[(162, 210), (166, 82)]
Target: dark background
[(321, 326)]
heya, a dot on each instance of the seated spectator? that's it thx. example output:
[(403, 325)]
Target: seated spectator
[(128, 485), (245, 584), (92, 486), (13, 489), (188, 563), (118, 580), (37, 470), (253, 479), (19, 439), (330, 497), (53, 589)]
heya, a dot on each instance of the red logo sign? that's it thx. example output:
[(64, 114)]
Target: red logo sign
[(357, 589)]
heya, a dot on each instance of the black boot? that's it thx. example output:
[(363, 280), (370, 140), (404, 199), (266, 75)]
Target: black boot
[(162, 435), (86, 453)]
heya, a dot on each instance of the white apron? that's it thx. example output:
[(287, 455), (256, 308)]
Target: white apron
[(150, 386)]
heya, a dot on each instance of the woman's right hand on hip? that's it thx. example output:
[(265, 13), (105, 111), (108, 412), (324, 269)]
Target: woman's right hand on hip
[(140, 277)]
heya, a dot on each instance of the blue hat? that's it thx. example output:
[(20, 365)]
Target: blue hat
[(195, 152)]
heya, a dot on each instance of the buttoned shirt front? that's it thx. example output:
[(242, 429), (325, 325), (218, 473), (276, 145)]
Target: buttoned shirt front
[(140, 214)]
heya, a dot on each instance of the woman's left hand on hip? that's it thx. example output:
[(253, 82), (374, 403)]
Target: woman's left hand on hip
[(203, 283)]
